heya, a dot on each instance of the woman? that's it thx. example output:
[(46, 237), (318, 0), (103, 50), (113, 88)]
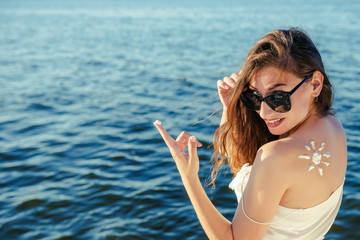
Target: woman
[(282, 141)]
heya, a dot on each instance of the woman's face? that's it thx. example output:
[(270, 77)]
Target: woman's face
[(269, 80)]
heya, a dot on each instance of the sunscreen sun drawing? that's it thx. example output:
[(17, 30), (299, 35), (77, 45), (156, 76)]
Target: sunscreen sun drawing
[(316, 157)]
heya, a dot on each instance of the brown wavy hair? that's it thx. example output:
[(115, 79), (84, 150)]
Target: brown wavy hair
[(237, 141)]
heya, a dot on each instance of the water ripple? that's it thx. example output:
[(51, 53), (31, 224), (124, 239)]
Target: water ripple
[(79, 155)]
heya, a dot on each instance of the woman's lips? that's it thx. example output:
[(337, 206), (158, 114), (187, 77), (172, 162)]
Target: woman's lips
[(272, 123)]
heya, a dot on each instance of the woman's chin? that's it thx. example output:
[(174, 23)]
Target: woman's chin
[(277, 132)]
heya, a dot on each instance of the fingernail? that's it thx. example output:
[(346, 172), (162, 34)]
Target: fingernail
[(157, 122), (192, 139)]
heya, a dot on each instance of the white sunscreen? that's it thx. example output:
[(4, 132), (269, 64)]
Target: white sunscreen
[(316, 157)]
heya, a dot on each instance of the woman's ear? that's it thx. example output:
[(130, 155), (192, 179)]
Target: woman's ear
[(317, 83)]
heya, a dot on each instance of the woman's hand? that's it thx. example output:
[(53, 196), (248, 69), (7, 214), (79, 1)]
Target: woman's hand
[(186, 162), (225, 88)]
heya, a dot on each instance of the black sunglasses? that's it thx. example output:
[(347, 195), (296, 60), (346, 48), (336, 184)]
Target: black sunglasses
[(278, 101)]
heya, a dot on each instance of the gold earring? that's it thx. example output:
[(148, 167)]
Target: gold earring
[(316, 99)]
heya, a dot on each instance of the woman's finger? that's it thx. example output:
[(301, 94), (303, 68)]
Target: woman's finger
[(183, 137), (192, 148), (229, 81), (222, 85), (164, 134), (235, 77)]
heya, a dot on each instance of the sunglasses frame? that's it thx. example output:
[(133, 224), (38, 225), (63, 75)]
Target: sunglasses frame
[(286, 96)]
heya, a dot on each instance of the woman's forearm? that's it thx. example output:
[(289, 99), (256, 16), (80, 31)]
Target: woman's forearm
[(215, 225)]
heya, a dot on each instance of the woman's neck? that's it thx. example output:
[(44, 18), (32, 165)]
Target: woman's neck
[(308, 120)]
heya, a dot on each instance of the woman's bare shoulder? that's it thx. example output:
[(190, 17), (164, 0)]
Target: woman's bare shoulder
[(316, 153), (275, 157), (321, 134)]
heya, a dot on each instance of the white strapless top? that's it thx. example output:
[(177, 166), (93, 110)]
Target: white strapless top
[(310, 223)]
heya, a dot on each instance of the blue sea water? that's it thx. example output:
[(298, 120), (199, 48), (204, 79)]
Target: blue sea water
[(82, 82)]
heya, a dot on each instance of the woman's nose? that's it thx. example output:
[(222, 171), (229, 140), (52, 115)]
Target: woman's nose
[(265, 110)]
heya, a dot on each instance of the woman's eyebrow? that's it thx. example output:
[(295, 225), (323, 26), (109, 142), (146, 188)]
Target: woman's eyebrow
[(271, 88), (276, 85)]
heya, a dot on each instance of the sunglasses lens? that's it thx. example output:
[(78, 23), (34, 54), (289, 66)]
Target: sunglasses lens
[(250, 101), (279, 102)]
